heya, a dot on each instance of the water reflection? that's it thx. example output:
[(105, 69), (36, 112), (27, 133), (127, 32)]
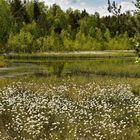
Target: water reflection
[(112, 67)]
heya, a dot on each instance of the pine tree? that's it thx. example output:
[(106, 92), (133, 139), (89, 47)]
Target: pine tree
[(36, 10), (18, 10)]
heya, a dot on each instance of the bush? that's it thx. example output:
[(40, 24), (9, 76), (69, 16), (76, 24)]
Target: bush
[(136, 43), (21, 42), (121, 42), (40, 44)]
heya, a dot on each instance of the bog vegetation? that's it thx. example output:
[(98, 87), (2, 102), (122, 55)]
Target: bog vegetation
[(51, 98), (32, 26), (68, 109)]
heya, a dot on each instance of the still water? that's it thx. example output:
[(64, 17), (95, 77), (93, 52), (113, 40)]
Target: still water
[(107, 67)]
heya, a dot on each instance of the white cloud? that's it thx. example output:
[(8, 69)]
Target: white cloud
[(80, 4), (62, 2), (127, 6), (103, 9)]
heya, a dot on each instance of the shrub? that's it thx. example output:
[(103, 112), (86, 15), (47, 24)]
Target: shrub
[(21, 42)]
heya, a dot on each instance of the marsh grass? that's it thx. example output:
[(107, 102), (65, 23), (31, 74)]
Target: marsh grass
[(136, 89), (106, 67), (2, 61), (73, 108), (69, 56), (74, 100), (115, 67)]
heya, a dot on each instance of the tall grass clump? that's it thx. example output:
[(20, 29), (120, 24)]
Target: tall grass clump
[(105, 67), (2, 62)]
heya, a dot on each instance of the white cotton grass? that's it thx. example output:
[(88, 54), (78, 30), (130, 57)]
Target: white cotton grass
[(137, 60), (68, 111)]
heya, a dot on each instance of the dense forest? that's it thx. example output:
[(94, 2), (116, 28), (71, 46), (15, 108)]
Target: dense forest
[(32, 26)]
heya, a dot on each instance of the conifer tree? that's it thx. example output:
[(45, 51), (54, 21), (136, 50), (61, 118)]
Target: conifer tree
[(36, 10)]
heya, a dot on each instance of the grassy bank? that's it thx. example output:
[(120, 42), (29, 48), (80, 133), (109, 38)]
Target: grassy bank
[(55, 56)]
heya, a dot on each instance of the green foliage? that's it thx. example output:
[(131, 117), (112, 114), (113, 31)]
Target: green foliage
[(121, 42), (36, 10), (113, 8), (40, 44), (54, 42), (21, 42), (18, 11), (136, 90), (68, 43), (136, 43), (5, 24), (107, 35), (2, 62), (32, 26)]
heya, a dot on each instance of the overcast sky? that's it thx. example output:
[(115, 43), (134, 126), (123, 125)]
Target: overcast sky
[(91, 5)]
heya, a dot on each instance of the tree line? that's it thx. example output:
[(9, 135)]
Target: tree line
[(32, 26)]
